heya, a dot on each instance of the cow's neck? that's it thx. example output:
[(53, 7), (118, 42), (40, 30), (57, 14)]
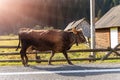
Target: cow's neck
[(74, 39)]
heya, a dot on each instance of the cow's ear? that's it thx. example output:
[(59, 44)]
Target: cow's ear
[(74, 30)]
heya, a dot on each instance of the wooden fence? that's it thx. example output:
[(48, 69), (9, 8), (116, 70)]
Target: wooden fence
[(108, 50)]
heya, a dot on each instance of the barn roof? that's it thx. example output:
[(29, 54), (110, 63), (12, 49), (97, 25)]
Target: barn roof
[(110, 19)]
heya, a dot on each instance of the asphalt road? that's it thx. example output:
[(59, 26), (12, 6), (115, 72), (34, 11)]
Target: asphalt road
[(62, 72)]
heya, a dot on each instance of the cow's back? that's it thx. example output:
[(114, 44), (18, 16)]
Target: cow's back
[(49, 35)]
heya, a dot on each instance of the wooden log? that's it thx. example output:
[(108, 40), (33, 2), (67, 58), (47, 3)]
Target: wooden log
[(8, 46), (111, 50), (8, 39), (60, 60)]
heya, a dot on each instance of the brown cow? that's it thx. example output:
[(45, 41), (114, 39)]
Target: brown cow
[(44, 40)]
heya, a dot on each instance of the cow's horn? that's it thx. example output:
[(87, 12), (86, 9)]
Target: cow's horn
[(80, 29), (74, 30)]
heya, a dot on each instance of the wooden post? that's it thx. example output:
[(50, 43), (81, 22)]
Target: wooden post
[(92, 25)]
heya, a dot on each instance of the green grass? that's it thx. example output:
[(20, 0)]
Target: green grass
[(46, 56)]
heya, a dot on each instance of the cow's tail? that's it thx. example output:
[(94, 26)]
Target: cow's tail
[(18, 45)]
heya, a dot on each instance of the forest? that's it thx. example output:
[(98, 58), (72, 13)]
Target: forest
[(15, 14)]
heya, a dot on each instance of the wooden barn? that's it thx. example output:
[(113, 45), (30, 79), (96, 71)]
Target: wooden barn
[(108, 29), (82, 23)]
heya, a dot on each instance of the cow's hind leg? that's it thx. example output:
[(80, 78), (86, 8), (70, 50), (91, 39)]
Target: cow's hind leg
[(22, 53), (52, 54), (24, 57), (66, 56)]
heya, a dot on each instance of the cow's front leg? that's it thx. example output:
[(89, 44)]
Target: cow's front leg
[(66, 56)]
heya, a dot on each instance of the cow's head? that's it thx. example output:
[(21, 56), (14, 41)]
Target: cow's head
[(79, 36)]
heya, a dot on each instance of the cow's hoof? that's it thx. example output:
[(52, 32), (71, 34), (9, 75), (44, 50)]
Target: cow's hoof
[(26, 65), (71, 64), (50, 64)]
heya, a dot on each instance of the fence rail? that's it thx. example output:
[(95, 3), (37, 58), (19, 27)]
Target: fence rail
[(60, 60), (80, 50), (9, 39)]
